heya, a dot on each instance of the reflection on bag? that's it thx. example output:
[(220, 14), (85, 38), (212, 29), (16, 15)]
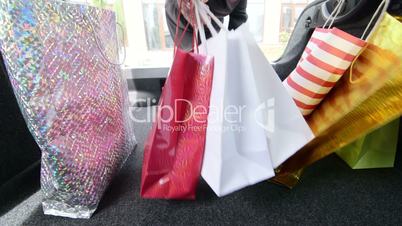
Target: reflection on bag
[(74, 101), (355, 109), (375, 150)]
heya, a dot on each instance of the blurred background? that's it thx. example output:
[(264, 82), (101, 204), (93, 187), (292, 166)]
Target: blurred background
[(149, 43), (149, 47)]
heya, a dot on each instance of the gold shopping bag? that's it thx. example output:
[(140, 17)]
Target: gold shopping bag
[(355, 108)]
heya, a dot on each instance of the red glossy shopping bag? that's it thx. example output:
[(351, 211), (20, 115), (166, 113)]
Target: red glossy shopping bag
[(175, 147)]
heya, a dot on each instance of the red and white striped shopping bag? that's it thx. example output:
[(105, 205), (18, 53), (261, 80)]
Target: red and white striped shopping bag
[(318, 35), (326, 57)]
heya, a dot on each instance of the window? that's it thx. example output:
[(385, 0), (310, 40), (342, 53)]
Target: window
[(156, 31), (256, 12), (149, 44), (290, 14), (280, 17)]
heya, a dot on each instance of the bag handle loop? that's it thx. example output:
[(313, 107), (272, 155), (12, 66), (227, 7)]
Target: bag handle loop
[(381, 8), (334, 15), (98, 44)]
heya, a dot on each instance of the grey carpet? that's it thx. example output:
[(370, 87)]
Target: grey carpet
[(330, 193)]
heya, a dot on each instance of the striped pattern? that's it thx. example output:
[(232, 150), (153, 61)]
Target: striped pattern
[(325, 59)]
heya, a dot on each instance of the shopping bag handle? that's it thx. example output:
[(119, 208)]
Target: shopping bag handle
[(205, 18), (204, 14), (89, 22), (334, 15), (200, 26), (213, 17), (178, 40), (201, 15), (384, 6), (381, 8)]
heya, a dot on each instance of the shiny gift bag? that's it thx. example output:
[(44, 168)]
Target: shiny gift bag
[(354, 109), (61, 63), (174, 149)]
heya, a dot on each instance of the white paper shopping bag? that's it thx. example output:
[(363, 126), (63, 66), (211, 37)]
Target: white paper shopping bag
[(236, 151), (285, 127)]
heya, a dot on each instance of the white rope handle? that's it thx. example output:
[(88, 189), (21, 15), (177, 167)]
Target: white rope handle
[(206, 9), (206, 20), (206, 16), (384, 6), (335, 13)]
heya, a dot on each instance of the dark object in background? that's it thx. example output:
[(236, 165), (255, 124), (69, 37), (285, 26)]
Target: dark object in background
[(19, 153), (235, 9), (353, 19), (395, 9), (147, 91)]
